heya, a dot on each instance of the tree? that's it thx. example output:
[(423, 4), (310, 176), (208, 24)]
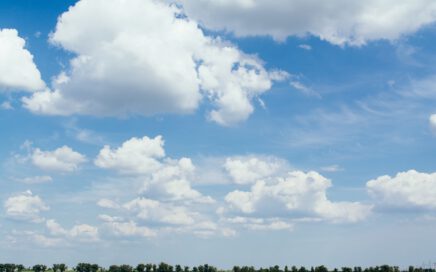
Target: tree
[(125, 268), (321, 268), (59, 267), (114, 268), (302, 269), (39, 268), (20, 268), (140, 268)]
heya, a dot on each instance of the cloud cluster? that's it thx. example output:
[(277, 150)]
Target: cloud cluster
[(409, 189), (17, 69), (25, 206), (166, 198), (338, 22), (162, 176), (127, 64), (81, 232), (266, 195), (294, 195)]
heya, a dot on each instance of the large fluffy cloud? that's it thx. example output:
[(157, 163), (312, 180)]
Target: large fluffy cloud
[(337, 21), (409, 189), (25, 206), (127, 63), (295, 195), (17, 69)]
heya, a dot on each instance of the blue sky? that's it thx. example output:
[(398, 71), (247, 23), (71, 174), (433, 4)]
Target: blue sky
[(266, 133)]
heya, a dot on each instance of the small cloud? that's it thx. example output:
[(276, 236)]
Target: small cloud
[(261, 103), (391, 83), (305, 47), (35, 180), (82, 135), (37, 34), (304, 89), (25, 206), (332, 168), (6, 106), (432, 121)]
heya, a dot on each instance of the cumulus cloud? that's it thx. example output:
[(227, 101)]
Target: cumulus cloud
[(17, 69), (145, 158), (107, 203), (432, 121), (249, 169), (339, 21), (81, 232), (129, 228), (296, 194), (127, 64), (63, 159), (409, 189), (155, 211), (25, 206), (135, 156)]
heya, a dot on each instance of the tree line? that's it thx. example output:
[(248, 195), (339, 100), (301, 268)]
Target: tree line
[(163, 267)]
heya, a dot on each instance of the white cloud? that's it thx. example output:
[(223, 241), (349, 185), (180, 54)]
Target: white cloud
[(294, 195), (84, 232), (332, 168), (130, 228), (36, 180), (17, 69), (304, 89), (155, 211), (25, 206), (63, 159), (249, 169), (305, 47), (6, 106), (46, 241), (54, 228), (162, 176), (107, 203), (409, 189), (271, 224), (338, 21), (81, 232), (432, 121), (135, 156), (127, 64)]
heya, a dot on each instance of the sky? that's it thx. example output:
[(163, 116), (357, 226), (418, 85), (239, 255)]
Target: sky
[(244, 132)]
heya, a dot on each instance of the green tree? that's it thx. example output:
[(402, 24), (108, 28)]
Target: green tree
[(39, 268), (140, 268)]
